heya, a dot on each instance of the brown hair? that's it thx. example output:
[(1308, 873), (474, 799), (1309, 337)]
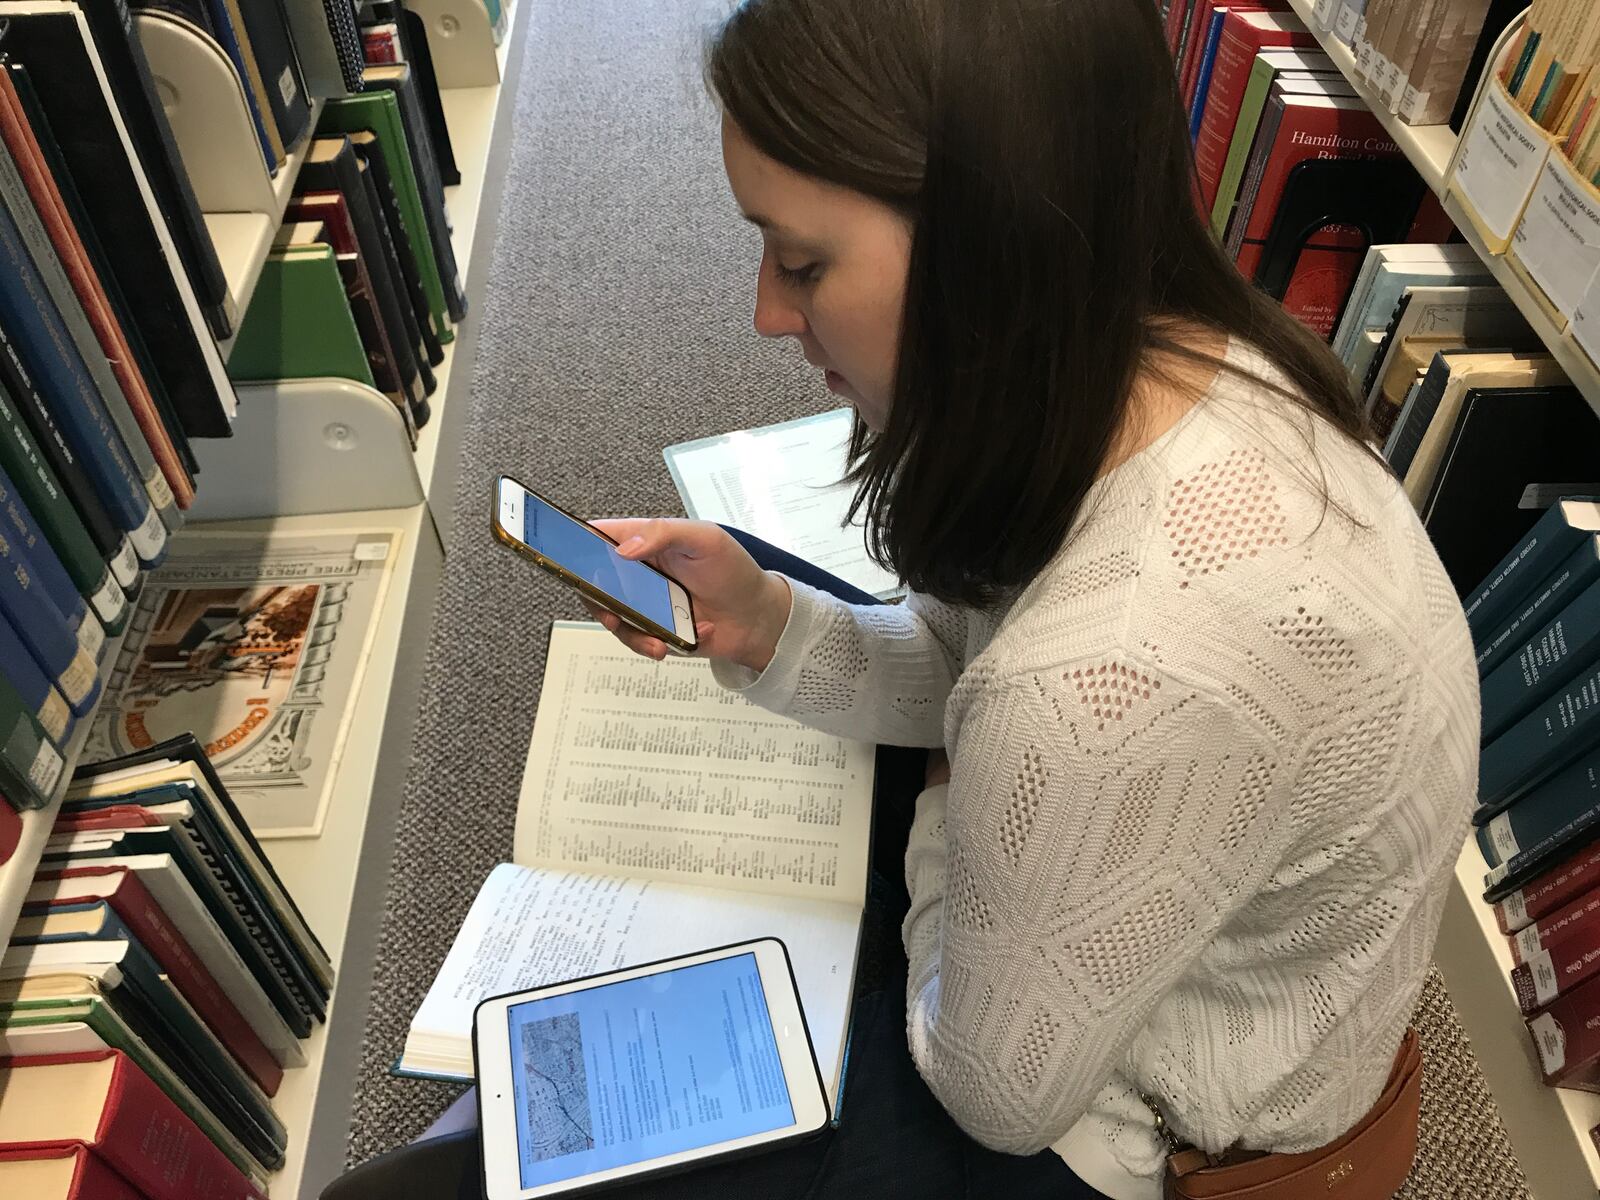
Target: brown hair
[(1039, 151)]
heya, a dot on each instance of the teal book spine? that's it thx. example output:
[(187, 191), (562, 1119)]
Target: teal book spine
[(1539, 745), (1542, 823), (1578, 571), (1551, 539), (1554, 654)]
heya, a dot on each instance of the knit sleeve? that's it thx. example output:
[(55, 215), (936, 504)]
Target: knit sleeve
[(873, 673), (1102, 823)]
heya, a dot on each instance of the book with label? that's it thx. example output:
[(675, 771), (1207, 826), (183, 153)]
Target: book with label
[(1551, 928), (18, 523), (1566, 1036), (1563, 883), (1540, 744), (1553, 654), (30, 764), (1386, 274), (105, 1103), (1580, 569), (1557, 966), (1558, 532), (1552, 812), (39, 695), (44, 629), (740, 824), (385, 202)]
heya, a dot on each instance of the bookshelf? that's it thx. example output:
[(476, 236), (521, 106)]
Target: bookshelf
[(1548, 1127), (1429, 147)]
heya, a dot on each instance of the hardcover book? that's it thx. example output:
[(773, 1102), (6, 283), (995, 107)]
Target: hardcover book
[(299, 325), (776, 846), (61, 1173)]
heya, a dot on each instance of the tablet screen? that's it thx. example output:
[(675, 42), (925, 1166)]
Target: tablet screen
[(629, 1071)]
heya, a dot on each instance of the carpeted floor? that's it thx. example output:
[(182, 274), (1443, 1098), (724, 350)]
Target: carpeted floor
[(617, 321)]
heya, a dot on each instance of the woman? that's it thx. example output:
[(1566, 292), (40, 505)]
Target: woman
[(1199, 698)]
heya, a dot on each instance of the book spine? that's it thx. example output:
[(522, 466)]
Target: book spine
[(44, 629), (1550, 540), (122, 56), (53, 578), (1194, 47), (1567, 1037), (414, 127), (151, 1143), (73, 306), (416, 51), (1555, 969), (1580, 569), (227, 27), (1559, 885), (1543, 812), (37, 692), (30, 765), (1202, 81), (1230, 77), (146, 921), (367, 214), (27, 310), (114, 545), (392, 230), (1584, 912), (21, 458), (1544, 741), (1543, 663), (289, 109)]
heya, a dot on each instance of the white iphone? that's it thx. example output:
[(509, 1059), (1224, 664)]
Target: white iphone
[(580, 555), (643, 1071)]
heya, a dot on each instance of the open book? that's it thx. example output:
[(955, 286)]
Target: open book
[(662, 815)]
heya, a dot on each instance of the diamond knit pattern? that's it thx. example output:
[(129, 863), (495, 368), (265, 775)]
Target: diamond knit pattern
[(1211, 772)]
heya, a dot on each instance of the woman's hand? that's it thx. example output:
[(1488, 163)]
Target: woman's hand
[(740, 610)]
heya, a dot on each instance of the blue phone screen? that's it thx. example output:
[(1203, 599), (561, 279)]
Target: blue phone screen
[(592, 558), (624, 1072)]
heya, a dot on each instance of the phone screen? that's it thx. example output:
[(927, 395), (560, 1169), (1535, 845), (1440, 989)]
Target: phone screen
[(592, 558), (624, 1072)]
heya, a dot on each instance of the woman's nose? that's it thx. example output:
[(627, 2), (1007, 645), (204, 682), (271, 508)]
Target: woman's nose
[(776, 314)]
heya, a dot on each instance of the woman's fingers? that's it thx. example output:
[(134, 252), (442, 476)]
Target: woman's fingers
[(639, 643)]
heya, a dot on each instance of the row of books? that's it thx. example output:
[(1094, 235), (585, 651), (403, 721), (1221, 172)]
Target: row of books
[(362, 281), (1535, 623), (1294, 172), (159, 977), (1423, 59)]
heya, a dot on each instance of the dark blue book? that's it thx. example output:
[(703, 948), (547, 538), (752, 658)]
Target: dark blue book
[(1554, 536), (1538, 823), (30, 764), (180, 1037), (37, 692), (1576, 572), (1202, 82), (219, 24), (30, 315), (44, 629), (1539, 745), (1556, 652), (17, 522)]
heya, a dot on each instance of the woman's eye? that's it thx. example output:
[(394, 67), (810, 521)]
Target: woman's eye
[(797, 276)]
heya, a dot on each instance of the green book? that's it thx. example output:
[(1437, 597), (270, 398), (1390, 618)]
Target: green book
[(380, 112), (30, 767), (33, 1022), (299, 325), (50, 506), (1266, 68)]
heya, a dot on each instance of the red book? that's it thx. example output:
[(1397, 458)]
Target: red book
[(1566, 1037), (1563, 883), (1194, 48), (121, 889), (1244, 35), (113, 816), (41, 185), (1177, 21), (1558, 966), (61, 1173), (108, 1105), (10, 830), (1311, 127), (1531, 939)]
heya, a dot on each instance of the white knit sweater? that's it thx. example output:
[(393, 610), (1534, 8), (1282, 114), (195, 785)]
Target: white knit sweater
[(1211, 772)]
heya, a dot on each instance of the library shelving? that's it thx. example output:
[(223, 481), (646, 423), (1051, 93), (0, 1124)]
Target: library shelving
[(312, 452), (1548, 1127)]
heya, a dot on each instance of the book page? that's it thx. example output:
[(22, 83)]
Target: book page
[(531, 927), (653, 770), (784, 484)]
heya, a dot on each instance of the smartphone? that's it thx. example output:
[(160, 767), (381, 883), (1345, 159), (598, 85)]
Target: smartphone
[(652, 1069), (578, 554)]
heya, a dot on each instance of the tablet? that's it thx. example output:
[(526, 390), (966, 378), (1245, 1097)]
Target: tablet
[(642, 1071)]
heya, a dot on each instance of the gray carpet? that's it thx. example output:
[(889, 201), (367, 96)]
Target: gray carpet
[(617, 321)]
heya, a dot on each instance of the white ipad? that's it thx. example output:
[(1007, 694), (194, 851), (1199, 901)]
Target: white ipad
[(646, 1070)]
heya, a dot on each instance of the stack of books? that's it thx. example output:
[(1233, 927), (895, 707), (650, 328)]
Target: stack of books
[(159, 978), (362, 282), (1535, 622), (1292, 165)]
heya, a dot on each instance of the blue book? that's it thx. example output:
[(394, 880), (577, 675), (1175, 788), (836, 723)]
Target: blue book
[(31, 317), (44, 629), (228, 38), (1202, 79), (30, 764), (41, 697), (18, 522), (1577, 571), (1539, 823), (1556, 652), (1539, 745), (1554, 536)]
